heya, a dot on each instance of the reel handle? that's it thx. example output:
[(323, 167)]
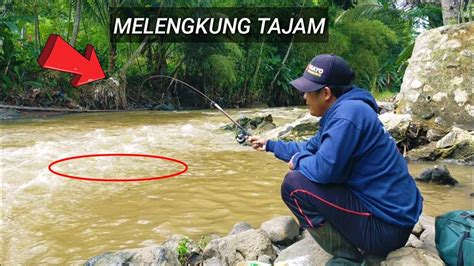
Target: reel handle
[(241, 137)]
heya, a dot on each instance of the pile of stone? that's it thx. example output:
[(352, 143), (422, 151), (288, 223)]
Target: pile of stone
[(279, 241)]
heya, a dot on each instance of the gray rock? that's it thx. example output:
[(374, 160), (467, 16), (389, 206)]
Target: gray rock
[(427, 153), (438, 120), (426, 221), (258, 124), (240, 227), (461, 152), (301, 129), (304, 235), (428, 239), (437, 69), (447, 141), (417, 229), (386, 107), (423, 234), (438, 175), (435, 134), (9, 114), (253, 263), (413, 241), (281, 230), (165, 107), (277, 249), (412, 256), (173, 241), (265, 259), (396, 124), (299, 132), (299, 261), (214, 261), (247, 245), (308, 248), (193, 249), (153, 255), (454, 137)]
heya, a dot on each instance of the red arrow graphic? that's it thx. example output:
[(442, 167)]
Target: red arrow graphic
[(59, 55)]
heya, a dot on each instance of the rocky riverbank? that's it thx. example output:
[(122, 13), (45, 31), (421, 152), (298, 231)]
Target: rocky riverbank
[(279, 241)]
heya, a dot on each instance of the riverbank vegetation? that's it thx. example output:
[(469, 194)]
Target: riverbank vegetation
[(376, 37)]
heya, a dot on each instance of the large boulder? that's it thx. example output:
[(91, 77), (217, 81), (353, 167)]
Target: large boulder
[(304, 252), (412, 256), (248, 245), (153, 255), (438, 81), (281, 230)]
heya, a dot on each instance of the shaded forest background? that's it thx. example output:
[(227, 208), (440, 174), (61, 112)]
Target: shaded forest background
[(376, 37)]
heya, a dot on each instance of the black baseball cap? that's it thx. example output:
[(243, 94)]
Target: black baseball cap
[(324, 70)]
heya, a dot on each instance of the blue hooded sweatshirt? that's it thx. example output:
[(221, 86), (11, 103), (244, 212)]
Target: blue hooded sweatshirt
[(353, 148)]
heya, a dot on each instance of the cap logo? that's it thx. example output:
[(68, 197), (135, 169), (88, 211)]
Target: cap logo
[(314, 70)]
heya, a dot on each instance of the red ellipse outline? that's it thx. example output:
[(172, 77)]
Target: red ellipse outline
[(116, 179)]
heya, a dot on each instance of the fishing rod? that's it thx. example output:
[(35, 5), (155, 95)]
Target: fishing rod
[(241, 136)]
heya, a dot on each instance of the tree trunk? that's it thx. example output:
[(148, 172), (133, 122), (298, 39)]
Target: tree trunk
[(37, 29), (121, 90), (257, 68), (451, 11), (282, 63), (161, 55), (112, 50), (77, 21), (243, 94), (135, 54), (69, 22)]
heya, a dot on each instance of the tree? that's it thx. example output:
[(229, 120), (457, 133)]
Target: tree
[(451, 11), (77, 21)]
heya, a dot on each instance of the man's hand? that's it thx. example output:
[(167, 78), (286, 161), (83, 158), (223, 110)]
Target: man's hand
[(290, 163), (257, 142)]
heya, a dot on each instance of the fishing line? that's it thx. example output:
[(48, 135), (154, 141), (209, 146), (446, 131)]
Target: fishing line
[(241, 137)]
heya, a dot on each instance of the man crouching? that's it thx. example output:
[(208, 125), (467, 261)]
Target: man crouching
[(348, 185)]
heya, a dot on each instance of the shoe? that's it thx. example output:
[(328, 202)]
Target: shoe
[(344, 253), (373, 260)]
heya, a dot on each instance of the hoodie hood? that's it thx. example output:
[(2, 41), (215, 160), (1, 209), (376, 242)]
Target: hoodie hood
[(354, 93), (359, 94)]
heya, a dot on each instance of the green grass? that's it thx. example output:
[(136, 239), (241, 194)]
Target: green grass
[(384, 95)]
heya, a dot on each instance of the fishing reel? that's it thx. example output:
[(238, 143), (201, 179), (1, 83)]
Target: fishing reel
[(242, 137)]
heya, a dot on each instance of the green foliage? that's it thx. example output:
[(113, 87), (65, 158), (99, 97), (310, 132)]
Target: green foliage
[(182, 250), (426, 15), (370, 41), (374, 36), (203, 241)]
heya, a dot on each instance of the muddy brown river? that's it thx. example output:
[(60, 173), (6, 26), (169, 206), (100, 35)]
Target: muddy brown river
[(49, 219)]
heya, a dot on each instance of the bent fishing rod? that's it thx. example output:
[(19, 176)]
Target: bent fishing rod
[(241, 137)]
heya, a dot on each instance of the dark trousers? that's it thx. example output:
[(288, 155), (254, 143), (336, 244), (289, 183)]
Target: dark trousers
[(314, 204)]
